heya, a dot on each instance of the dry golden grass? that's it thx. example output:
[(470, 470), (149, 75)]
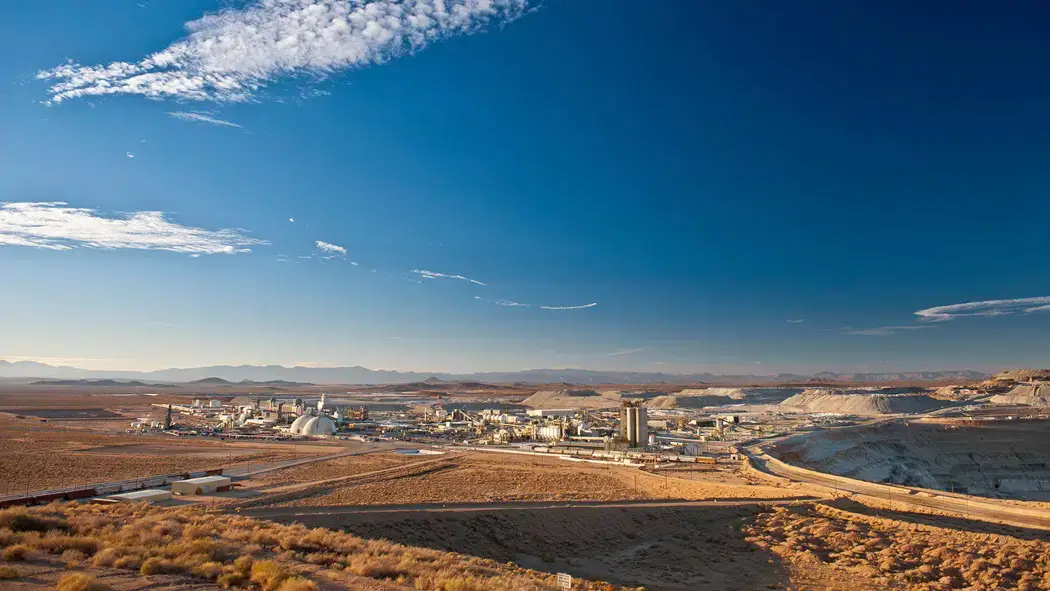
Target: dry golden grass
[(239, 552), (8, 572), (80, 582), (897, 555)]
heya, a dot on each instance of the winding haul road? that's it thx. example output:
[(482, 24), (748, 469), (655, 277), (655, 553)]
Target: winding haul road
[(974, 508)]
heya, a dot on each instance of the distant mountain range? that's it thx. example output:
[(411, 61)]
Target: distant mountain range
[(280, 375)]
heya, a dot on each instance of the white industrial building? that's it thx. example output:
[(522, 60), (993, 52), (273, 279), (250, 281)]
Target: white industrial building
[(550, 433), (201, 486), (313, 425), (554, 413), (149, 495)]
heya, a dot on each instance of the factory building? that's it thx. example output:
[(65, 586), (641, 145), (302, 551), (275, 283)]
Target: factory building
[(634, 424)]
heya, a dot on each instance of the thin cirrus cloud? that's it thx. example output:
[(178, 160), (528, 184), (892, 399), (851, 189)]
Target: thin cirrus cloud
[(504, 303), (201, 117), (590, 305), (57, 226), (985, 308), (883, 331), (799, 321), (626, 352), (230, 56), (511, 304), (424, 274)]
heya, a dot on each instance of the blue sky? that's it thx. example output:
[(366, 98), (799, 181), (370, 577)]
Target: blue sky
[(703, 172)]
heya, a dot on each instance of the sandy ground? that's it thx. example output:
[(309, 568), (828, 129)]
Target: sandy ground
[(38, 456), (336, 468), (392, 479)]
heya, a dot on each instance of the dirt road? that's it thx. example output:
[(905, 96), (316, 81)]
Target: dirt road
[(292, 512)]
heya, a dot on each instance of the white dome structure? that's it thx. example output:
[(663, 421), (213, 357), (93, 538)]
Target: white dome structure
[(297, 424), (318, 426)]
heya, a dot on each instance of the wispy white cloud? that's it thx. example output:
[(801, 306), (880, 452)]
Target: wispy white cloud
[(504, 303), (626, 352), (291, 220), (590, 305), (200, 117), (511, 304), (129, 155), (233, 54), (424, 274), (56, 226), (985, 308), (799, 321), (884, 331), (329, 247)]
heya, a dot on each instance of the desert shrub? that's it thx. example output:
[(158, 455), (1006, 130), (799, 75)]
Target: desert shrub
[(375, 567), (320, 558), (19, 519), (265, 537), (59, 543), (157, 566), (196, 531), (232, 580), (297, 584), (459, 584), (106, 557), (80, 582), (268, 575), (243, 565), (7, 537), (72, 558), (17, 552), (208, 570), (129, 562), (8, 572)]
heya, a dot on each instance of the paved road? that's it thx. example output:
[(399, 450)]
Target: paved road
[(978, 508), (291, 512)]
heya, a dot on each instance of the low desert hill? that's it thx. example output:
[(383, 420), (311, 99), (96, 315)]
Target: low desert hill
[(701, 397), (571, 399), (1022, 375), (1037, 394), (99, 383), (863, 401)]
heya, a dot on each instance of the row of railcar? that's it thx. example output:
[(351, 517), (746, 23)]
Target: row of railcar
[(109, 488), (601, 454)]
